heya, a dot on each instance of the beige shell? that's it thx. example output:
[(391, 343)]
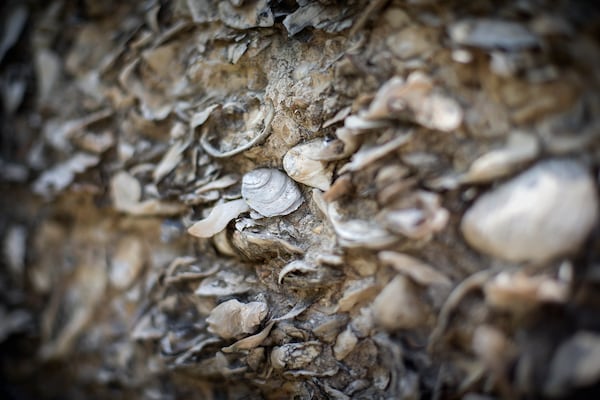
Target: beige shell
[(416, 100), (400, 306), (127, 262), (218, 218), (344, 344), (300, 164), (232, 318), (270, 192), (544, 212)]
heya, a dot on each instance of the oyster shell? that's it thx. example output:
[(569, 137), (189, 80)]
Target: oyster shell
[(270, 192), (232, 318), (544, 212), (301, 165)]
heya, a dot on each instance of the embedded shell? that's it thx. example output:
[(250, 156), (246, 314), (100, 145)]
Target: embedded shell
[(301, 165), (232, 318), (270, 192), (544, 212)]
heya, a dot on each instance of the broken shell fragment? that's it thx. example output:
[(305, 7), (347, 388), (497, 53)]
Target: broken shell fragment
[(295, 355), (344, 344), (218, 218), (521, 148), (232, 318), (419, 271), (300, 165), (544, 212), (270, 192)]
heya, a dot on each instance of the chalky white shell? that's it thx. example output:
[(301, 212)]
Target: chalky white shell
[(544, 212), (270, 192)]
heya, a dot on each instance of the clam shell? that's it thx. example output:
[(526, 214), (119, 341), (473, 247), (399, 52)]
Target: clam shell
[(270, 192), (300, 164), (544, 212)]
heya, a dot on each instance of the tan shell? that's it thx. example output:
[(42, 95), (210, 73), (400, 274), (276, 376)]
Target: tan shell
[(416, 100), (400, 306), (127, 262), (300, 164), (218, 218), (546, 211), (270, 192), (344, 344), (232, 318)]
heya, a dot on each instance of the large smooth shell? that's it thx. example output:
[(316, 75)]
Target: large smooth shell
[(546, 211), (270, 192)]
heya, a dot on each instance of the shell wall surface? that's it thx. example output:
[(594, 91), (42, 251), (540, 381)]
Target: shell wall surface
[(255, 199)]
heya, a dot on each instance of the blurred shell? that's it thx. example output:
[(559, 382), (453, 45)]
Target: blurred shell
[(521, 148), (420, 220), (492, 34), (544, 212), (300, 164), (415, 100), (416, 269), (519, 292), (218, 218), (345, 343), (400, 306), (576, 363), (127, 262), (270, 192), (355, 293), (244, 16), (368, 155), (232, 318)]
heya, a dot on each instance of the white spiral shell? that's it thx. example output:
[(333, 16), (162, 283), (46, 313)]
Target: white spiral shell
[(270, 192)]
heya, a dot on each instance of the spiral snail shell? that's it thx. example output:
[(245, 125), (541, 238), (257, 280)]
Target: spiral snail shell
[(270, 192)]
